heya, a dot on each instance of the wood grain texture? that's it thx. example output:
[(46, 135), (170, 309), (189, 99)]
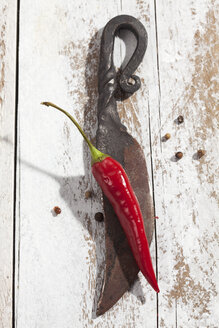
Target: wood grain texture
[(7, 113), (186, 191), (60, 259)]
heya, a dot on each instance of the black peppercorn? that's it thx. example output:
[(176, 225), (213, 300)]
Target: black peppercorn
[(88, 194), (99, 216), (200, 153), (57, 210), (179, 155), (167, 136), (180, 119)]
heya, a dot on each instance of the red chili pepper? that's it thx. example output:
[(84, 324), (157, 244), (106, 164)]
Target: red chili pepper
[(116, 186)]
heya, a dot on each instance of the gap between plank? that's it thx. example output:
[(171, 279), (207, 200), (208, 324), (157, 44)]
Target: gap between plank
[(157, 47), (158, 68), (152, 168), (176, 311), (15, 160), (153, 199)]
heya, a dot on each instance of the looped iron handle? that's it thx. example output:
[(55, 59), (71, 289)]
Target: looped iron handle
[(107, 71)]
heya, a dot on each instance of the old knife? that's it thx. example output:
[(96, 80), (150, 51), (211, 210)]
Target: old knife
[(112, 138)]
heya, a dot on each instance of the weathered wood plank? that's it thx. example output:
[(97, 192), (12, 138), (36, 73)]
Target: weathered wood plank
[(7, 117), (186, 191), (51, 273), (60, 259)]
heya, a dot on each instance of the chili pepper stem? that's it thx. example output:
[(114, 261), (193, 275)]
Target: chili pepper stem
[(96, 155)]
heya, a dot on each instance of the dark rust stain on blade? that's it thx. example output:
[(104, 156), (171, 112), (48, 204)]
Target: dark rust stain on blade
[(112, 138)]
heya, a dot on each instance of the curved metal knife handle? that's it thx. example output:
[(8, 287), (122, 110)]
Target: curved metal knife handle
[(107, 73), (111, 83)]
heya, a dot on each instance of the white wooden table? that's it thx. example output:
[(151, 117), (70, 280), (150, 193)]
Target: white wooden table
[(51, 268)]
